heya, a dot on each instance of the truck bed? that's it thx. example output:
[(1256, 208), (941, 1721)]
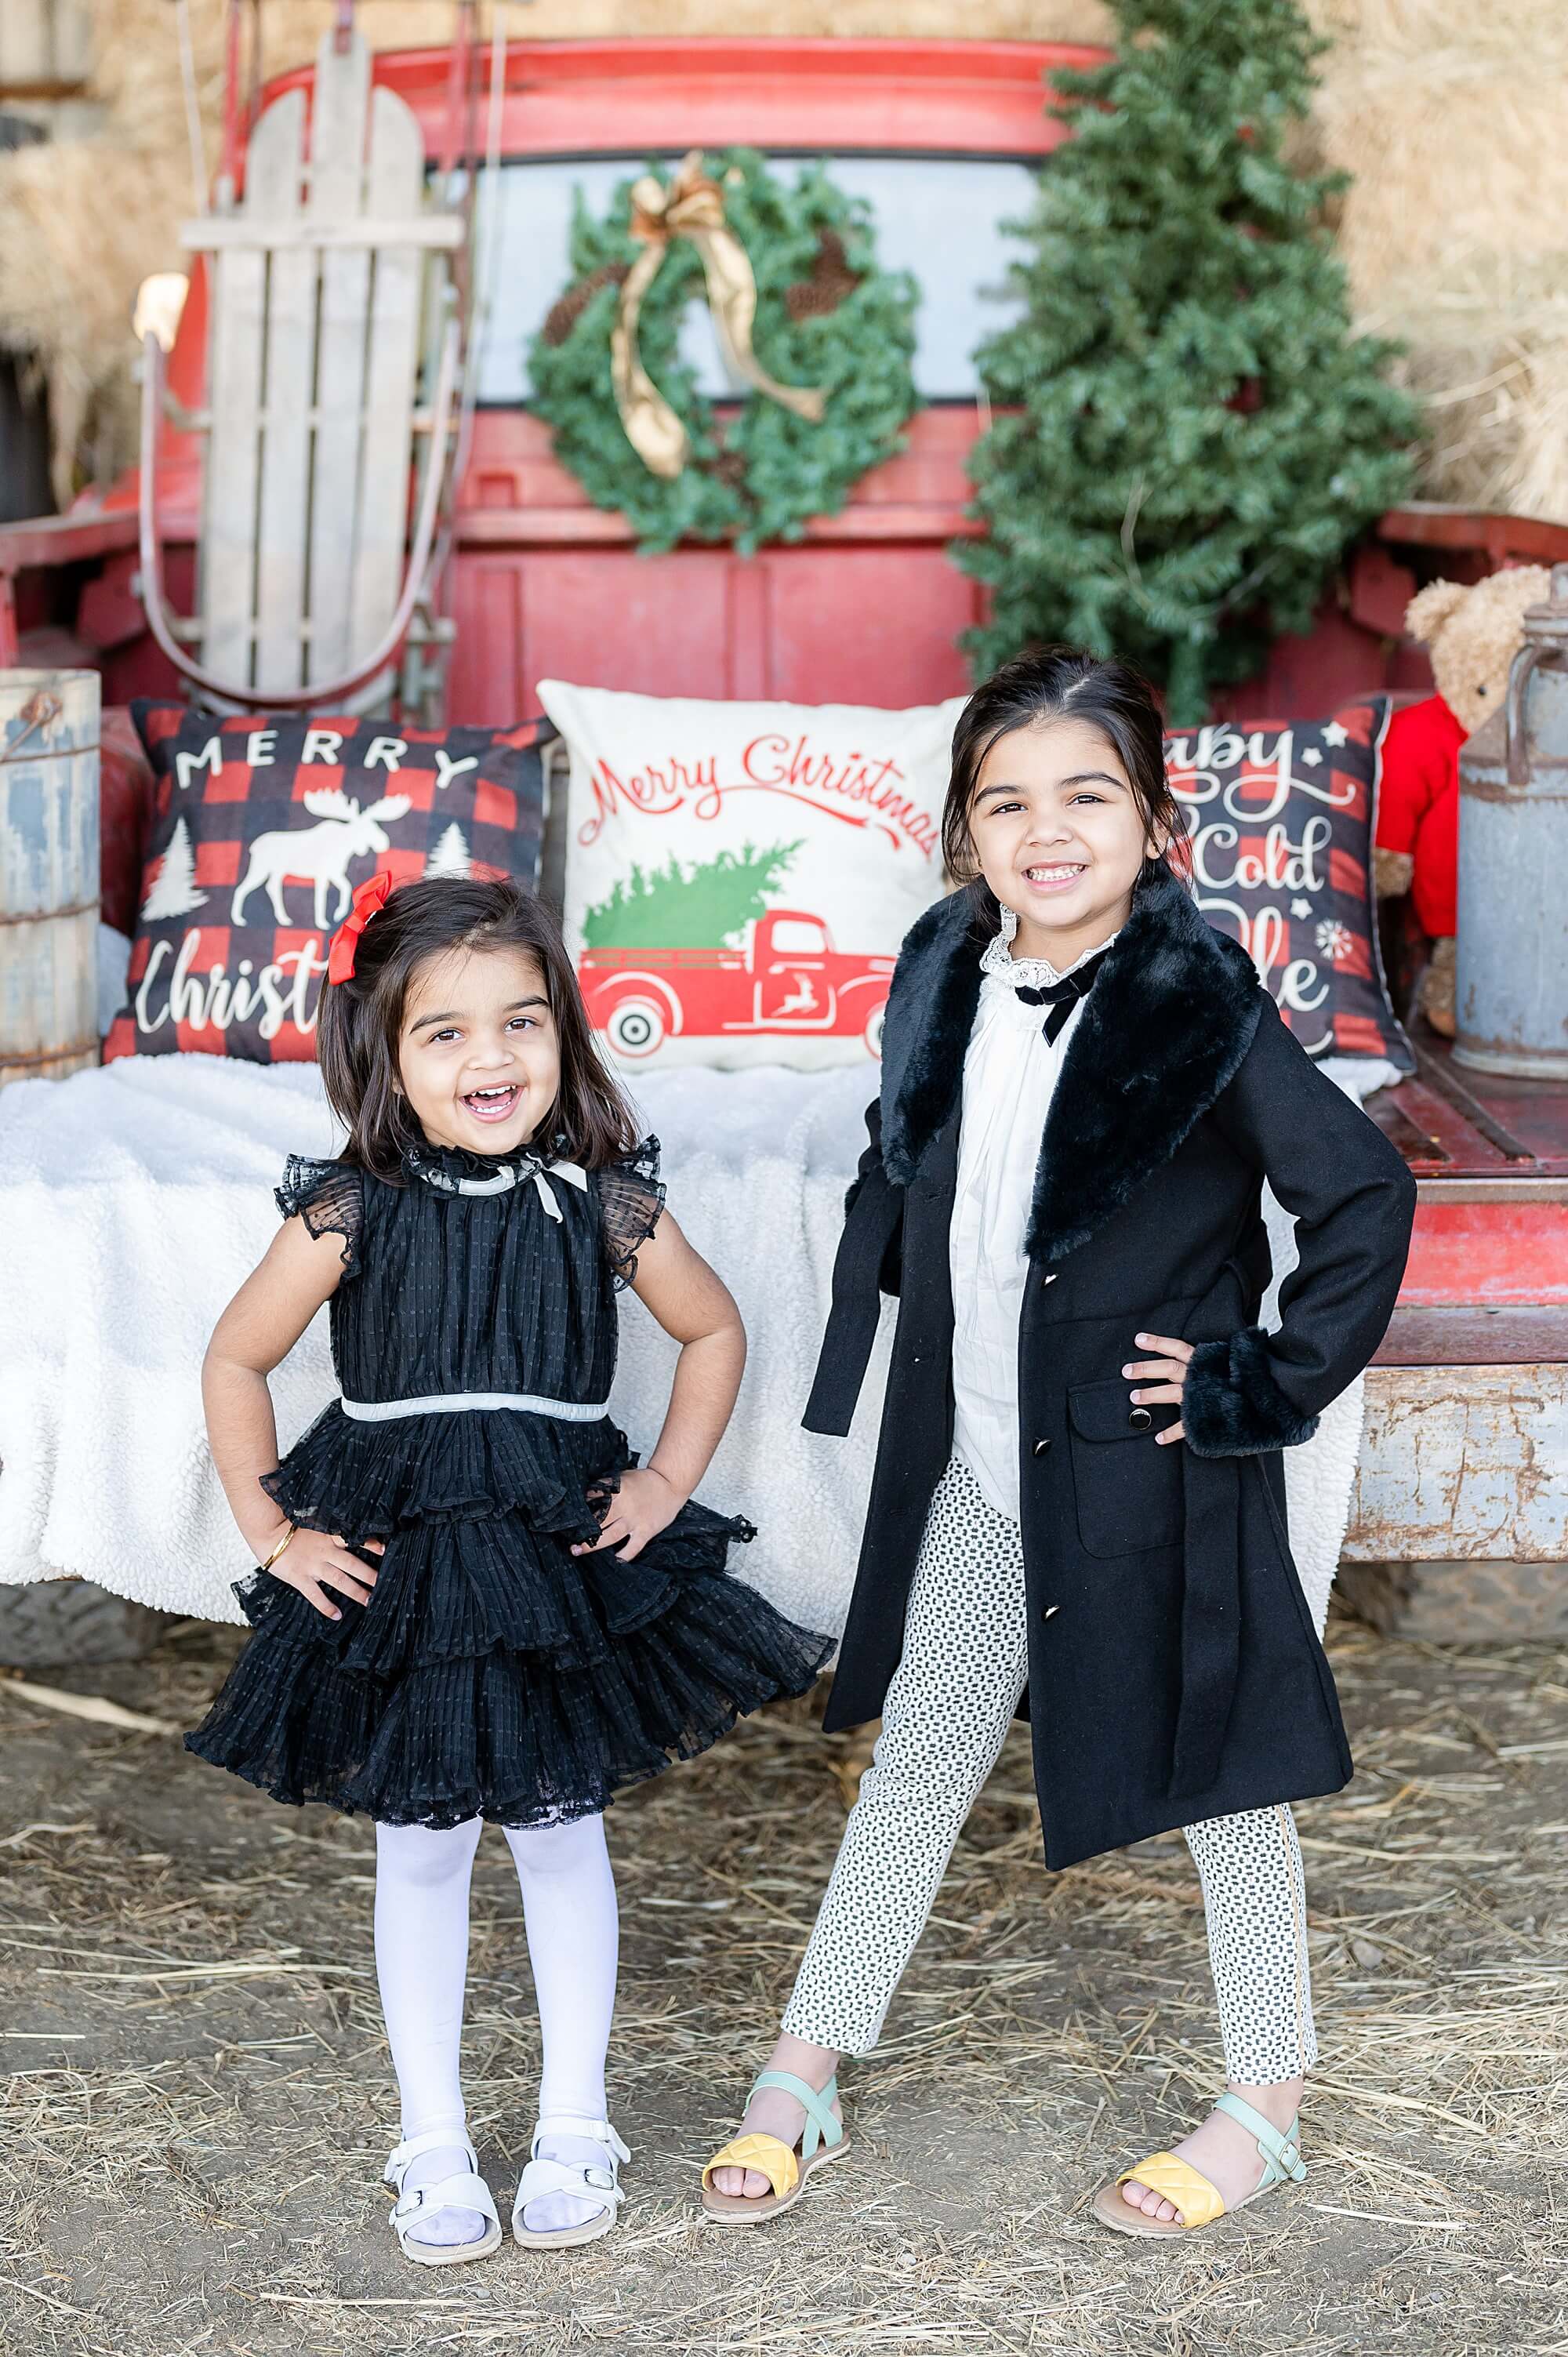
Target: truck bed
[(1490, 1160), (1459, 1524)]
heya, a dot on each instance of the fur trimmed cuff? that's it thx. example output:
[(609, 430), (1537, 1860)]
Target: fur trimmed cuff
[(1230, 1403)]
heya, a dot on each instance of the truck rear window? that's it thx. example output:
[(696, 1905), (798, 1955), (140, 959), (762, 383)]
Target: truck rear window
[(938, 216)]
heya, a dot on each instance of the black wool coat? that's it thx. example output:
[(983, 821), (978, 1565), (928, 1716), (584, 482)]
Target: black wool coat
[(1174, 1670)]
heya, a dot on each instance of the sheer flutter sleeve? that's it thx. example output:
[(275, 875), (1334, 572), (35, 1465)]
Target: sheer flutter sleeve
[(329, 1197), (632, 1198)]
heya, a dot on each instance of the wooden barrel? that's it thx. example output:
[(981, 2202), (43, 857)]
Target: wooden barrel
[(48, 873)]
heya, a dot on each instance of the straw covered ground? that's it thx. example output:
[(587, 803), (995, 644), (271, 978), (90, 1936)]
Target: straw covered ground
[(199, 2107)]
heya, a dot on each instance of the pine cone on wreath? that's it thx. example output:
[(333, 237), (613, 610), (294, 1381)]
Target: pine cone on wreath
[(832, 279)]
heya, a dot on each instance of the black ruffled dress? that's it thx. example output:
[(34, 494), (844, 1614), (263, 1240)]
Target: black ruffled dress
[(492, 1673)]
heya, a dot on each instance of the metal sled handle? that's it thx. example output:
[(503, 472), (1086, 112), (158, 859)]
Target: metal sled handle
[(320, 692)]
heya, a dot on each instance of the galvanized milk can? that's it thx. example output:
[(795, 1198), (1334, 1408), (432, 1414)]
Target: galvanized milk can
[(48, 873), (1511, 994)]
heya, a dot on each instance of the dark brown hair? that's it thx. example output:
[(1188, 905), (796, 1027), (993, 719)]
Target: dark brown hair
[(1054, 683), (361, 1022)]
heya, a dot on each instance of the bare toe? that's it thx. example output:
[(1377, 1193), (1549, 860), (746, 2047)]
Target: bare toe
[(755, 2185), (1134, 2194)]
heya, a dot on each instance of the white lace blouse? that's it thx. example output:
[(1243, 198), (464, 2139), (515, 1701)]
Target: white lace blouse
[(1010, 1073)]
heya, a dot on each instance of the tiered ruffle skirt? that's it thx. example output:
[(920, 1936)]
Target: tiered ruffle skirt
[(492, 1673)]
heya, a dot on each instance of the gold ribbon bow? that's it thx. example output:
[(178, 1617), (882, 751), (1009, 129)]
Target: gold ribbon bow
[(692, 207)]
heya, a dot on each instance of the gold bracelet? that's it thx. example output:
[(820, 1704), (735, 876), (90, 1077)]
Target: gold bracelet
[(288, 1534)]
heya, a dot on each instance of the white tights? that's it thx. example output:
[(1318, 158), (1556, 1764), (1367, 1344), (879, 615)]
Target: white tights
[(422, 1964)]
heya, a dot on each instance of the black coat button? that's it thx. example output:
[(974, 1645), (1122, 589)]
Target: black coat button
[(1041, 1446), (1049, 1611), (1140, 1419)]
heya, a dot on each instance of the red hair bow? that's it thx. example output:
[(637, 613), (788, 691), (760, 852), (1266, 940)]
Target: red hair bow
[(368, 899)]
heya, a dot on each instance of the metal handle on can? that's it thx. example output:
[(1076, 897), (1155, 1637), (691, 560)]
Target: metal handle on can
[(1519, 675)]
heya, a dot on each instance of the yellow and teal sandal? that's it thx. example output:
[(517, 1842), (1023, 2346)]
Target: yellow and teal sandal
[(1196, 2201), (786, 2168)]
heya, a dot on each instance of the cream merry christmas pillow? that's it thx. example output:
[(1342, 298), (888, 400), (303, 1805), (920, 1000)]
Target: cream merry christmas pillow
[(739, 876)]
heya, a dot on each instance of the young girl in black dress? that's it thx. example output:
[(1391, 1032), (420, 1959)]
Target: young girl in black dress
[(471, 1602)]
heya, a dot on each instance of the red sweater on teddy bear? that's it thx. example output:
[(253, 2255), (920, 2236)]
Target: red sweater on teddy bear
[(1418, 807)]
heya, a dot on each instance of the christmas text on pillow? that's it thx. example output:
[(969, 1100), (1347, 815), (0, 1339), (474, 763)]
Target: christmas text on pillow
[(740, 875), (263, 827), (1280, 817)]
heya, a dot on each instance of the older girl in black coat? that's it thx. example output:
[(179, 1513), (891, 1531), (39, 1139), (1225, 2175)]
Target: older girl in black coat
[(1079, 1502)]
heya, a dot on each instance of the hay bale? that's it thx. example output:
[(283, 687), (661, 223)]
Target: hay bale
[(84, 222), (80, 225)]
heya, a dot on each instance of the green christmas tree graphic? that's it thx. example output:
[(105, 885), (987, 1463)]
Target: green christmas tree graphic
[(689, 904)]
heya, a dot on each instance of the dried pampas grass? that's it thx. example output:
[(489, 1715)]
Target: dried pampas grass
[(84, 221)]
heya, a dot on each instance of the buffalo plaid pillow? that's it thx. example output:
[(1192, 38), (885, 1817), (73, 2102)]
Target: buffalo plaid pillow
[(1280, 817), (262, 829)]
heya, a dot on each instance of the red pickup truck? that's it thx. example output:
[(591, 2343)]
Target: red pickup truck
[(786, 977)]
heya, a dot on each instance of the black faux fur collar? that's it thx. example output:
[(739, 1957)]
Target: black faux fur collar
[(1163, 1032)]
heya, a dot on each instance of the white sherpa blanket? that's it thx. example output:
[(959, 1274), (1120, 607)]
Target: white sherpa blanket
[(135, 1198)]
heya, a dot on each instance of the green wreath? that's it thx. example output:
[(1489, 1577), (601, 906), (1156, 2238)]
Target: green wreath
[(826, 318)]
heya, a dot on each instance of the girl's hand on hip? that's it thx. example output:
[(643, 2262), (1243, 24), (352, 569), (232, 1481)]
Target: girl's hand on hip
[(316, 1561), (644, 1505), (1169, 1370)]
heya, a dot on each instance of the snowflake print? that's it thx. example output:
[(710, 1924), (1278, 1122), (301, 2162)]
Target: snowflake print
[(1335, 939)]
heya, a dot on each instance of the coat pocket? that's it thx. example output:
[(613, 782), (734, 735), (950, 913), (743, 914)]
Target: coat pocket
[(1127, 1487)]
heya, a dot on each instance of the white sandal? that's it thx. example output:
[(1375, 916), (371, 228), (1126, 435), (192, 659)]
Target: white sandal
[(464, 2190), (583, 2179)]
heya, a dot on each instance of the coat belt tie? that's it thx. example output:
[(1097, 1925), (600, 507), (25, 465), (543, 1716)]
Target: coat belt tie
[(1211, 1619), (870, 1228), (1210, 1641)]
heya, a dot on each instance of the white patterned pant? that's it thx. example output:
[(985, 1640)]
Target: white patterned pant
[(948, 1711)]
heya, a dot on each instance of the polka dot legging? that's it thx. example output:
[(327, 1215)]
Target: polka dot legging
[(948, 1711)]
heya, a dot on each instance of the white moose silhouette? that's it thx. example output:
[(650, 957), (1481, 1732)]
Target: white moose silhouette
[(317, 855)]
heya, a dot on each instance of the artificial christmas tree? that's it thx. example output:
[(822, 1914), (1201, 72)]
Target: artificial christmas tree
[(1200, 435)]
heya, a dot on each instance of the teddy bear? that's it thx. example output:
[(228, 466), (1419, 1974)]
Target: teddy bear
[(1472, 634)]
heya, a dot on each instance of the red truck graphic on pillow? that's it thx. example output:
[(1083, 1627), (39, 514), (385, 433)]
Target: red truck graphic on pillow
[(692, 950), (785, 977)]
